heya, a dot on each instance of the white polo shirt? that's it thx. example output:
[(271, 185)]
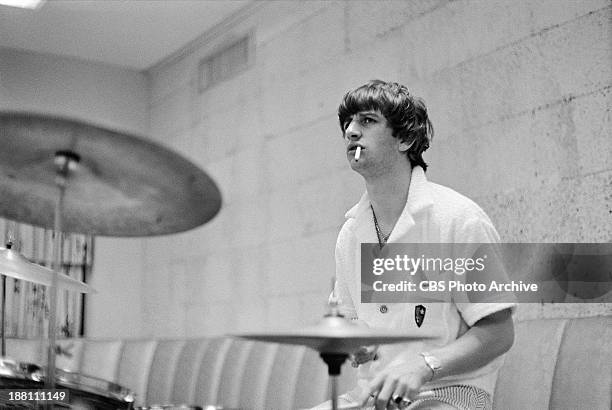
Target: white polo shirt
[(433, 214)]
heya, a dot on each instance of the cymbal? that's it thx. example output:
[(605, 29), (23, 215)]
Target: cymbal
[(334, 335), (15, 265), (123, 185)]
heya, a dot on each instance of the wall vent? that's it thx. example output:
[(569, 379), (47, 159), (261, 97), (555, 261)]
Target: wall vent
[(224, 64)]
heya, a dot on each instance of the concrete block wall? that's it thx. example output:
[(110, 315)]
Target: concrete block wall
[(519, 94)]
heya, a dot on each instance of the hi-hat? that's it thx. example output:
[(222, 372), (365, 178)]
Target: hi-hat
[(334, 334), (15, 265), (335, 338), (122, 185)]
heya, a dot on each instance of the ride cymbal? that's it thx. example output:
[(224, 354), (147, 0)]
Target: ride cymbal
[(121, 185)]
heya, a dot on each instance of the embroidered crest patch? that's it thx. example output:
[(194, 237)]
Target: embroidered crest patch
[(419, 314)]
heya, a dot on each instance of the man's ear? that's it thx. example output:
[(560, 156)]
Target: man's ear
[(404, 146)]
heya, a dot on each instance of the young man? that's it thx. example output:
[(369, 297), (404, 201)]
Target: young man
[(386, 130)]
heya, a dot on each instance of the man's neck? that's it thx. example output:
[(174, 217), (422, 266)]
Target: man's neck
[(388, 195)]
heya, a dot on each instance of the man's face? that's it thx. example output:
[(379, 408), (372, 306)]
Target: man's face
[(379, 148)]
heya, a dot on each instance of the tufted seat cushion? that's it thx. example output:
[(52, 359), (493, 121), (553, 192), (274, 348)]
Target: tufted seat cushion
[(556, 364)]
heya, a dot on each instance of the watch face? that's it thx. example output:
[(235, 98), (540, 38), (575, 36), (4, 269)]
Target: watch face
[(432, 361)]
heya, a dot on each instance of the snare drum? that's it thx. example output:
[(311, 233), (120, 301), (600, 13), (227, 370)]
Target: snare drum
[(85, 392), (88, 392)]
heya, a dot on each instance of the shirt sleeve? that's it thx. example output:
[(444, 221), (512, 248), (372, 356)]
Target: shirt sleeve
[(341, 290), (478, 238)]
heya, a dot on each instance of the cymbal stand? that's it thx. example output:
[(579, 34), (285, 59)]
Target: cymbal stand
[(65, 162), (334, 360), (9, 245), (2, 332)]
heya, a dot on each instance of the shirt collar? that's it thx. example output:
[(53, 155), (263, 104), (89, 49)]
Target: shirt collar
[(419, 197)]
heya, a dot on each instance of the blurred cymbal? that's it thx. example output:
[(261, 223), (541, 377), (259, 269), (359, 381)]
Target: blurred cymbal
[(123, 185), (334, 335), (15, 265)]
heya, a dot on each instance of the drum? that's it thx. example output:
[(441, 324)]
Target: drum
[(85, 392)]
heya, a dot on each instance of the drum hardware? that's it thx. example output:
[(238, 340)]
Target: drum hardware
[(3, 315), (13, 368), (65, 162), (335, 338), (76, 177), (85, 392), (15, 265), (93, 385)]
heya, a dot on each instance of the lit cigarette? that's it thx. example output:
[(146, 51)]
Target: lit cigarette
[(357, 153)]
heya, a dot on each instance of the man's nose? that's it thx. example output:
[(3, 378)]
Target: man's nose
[(353, 131)]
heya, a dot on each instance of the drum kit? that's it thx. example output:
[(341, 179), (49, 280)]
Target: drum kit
[(335, 338), (70, 176)]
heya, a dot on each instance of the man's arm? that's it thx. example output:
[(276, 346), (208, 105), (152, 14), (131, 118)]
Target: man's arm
[(489, 338)]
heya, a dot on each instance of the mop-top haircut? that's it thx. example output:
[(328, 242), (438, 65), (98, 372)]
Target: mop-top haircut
[(405, 113)]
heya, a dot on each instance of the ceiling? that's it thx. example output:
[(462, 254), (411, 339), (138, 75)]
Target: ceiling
[(134, 34)]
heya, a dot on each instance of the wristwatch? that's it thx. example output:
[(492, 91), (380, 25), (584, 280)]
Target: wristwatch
[(432, 362)]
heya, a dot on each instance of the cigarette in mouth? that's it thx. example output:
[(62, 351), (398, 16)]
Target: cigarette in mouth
[(357, 153)]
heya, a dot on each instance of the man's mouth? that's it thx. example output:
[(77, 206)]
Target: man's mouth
[(355, 151), (353, 147)]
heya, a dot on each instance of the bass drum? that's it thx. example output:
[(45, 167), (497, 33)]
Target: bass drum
[(85, 392)]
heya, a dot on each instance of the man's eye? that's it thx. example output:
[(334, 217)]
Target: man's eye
[(346, 124), (368, 120)]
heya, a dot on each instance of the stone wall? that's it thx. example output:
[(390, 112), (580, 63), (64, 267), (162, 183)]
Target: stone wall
[(519, 94)]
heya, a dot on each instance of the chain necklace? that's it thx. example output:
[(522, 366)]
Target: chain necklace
[(382, 238)]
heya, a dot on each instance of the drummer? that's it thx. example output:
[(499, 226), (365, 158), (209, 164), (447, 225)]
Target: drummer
[(386, 130)]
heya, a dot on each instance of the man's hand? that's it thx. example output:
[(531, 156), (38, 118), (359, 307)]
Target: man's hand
[(401, 378), (363, 355), (490, 337)]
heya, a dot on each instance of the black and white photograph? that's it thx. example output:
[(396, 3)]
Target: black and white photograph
[(306, 204)]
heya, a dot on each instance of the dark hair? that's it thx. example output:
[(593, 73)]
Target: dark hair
[(405, 113)]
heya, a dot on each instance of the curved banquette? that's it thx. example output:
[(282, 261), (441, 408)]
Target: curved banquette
[(554, 364)]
